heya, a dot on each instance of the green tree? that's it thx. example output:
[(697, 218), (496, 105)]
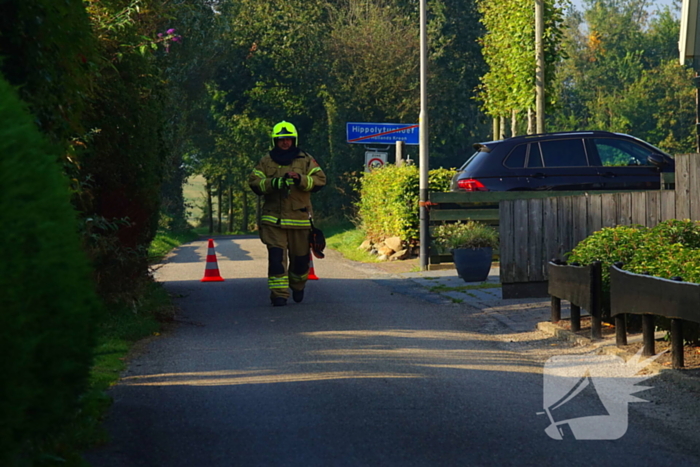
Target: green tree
[(623, 76), (508, 46)]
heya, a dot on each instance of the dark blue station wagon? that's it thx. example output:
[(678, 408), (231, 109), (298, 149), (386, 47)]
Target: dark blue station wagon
[(580, 160)]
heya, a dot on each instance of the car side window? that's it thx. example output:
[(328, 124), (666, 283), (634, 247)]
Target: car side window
[(534, 158), (516, 158), (564, 153), (616, 152)]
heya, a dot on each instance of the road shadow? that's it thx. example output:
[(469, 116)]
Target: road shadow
[(224, 247)]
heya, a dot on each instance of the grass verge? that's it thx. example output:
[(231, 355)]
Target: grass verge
[(166, 241), (122, 326), (346, 242)]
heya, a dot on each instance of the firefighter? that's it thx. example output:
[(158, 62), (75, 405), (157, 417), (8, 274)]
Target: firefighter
[(286, 177)]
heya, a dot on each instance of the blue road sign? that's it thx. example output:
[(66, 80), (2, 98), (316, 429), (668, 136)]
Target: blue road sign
[(382, 133)]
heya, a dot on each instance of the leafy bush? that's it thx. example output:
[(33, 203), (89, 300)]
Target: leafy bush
[(389, 196), (47, 305), (470, 234)]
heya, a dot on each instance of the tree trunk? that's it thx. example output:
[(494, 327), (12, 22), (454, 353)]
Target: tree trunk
[(514, 123), (246, 212), (496, 130), (210, 208), (220, 204), (230, 207), (502, 128), (530, 121)]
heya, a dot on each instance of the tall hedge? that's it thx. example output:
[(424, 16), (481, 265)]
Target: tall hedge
[(47, 302), (389, 196)]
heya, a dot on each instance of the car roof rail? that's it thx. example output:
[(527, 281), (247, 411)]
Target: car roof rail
[(566, 133), (483, 146)]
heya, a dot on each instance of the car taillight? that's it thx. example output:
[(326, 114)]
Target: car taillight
[(470, 184)]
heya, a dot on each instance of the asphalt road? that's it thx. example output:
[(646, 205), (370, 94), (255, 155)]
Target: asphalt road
[(358, 374)]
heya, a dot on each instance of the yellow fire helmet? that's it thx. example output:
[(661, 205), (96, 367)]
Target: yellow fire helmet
[(284, 130)]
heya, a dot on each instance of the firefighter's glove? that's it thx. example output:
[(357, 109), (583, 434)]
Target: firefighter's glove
[(278, 183), (317, 241), (294, 177)]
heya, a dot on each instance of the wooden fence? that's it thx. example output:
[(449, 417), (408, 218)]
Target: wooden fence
[(536, 227), (477, 206), (533, 231)]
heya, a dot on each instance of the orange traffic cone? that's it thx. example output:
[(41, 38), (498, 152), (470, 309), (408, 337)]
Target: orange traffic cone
[(211, 272), (312, 273)]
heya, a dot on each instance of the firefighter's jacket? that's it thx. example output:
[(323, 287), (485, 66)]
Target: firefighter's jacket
[(290, 206)]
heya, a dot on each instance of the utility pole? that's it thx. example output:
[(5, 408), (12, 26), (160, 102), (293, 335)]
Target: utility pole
[(423, 142), (539, 67)]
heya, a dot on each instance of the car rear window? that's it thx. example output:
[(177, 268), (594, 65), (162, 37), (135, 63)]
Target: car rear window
[(564, 153), (471, 158)]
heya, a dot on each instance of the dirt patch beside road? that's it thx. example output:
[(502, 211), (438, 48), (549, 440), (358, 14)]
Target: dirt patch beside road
[(691, 353)]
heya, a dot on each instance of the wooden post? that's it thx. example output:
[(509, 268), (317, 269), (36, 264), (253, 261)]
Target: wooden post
[(399, 153), (648, 335), (596, 293), (556, 309), (575, 318), (676, 343), (620, 330)]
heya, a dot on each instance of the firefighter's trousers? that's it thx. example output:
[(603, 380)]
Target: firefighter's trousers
[(288, 258)]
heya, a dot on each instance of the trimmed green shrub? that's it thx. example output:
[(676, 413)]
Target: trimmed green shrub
[(47, 305), (609, 245), (670, 249), (389, 196)]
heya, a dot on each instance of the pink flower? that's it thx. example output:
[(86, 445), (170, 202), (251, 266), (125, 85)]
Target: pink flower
[(170, 31)]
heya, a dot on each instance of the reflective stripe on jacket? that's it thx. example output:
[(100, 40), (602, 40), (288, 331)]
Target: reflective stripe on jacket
[(290, 206)]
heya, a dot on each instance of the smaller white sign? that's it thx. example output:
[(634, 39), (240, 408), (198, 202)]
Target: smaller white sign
[(375, 160)]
